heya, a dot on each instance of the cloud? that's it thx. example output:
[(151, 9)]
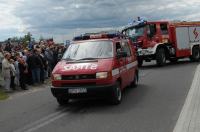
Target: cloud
[(58, 8), (8, 20), (64, 17)]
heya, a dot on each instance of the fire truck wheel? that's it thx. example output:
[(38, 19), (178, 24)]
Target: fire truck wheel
[(173, 60), (161, 57), (62, 101), (117, 94), (195, 54)]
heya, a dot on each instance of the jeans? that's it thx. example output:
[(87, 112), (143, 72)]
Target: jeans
[(12, 84), (42, 74), (17, 79), (45, 74), (36, 75), (22, 81)]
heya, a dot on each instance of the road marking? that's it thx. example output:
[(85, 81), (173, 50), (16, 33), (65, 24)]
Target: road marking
[(144, 73), (189, 118), (43, 121)]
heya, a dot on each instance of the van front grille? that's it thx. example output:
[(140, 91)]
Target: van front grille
[(78, 84), (79, 77)]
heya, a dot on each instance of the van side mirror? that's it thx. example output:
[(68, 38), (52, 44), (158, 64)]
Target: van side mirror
[(121, 54)]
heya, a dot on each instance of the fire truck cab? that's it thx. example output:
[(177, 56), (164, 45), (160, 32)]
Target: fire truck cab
[(165, 40), (95, 65)]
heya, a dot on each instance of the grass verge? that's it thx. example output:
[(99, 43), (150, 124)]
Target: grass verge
[(3, 95)]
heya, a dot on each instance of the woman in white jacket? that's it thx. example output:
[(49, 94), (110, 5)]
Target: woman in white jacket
[(6, 70)]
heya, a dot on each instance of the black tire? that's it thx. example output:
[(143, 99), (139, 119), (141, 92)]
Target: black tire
[(117, 94), (161, 57), (195, 54), (173, 60), (62, 101), (134, 84), (140, 62)]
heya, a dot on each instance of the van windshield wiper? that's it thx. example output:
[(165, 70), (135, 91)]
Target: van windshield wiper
[(89, 58), (68, 59)]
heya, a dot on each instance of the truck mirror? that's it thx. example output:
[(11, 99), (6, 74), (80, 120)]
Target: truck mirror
[(149, 35)]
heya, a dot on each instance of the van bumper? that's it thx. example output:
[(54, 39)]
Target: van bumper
[(98, 91)]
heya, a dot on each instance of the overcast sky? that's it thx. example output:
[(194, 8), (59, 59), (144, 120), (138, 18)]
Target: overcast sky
[(62, 19)]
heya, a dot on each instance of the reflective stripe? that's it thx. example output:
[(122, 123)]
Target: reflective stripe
[(122, 69), (131, 65), (127, 67), (115, 72)]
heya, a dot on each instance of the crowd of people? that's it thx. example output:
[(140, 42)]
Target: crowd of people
[(22, 66)]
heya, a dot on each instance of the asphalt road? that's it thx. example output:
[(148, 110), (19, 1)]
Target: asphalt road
[(152, 107)]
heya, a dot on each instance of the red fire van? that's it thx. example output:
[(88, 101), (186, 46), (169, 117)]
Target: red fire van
[(96, 65)]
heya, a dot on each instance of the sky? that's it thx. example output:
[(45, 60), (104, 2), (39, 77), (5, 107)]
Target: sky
[(64, 19)]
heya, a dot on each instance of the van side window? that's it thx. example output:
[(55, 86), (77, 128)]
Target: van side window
[(118, 47), (126, 48), (163, 28)]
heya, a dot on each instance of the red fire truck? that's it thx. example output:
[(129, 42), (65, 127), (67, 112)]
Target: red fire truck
[(95, 66), (165, 40)]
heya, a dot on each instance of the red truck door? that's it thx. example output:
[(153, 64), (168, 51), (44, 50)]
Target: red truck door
[(152, 35)]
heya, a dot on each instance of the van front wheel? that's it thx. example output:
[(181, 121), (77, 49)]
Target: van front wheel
[(117, 94), (62, 101)]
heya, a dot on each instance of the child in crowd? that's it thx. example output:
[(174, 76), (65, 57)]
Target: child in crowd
[(17, 73)]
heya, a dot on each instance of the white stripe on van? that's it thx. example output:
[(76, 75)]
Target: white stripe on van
[(128, 66), (131, 65), (115, 72)]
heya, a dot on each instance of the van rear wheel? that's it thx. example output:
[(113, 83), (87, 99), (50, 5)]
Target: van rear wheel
[(134, 84), (140, 62)]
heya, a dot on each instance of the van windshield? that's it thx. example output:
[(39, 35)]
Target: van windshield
[(89, 50)]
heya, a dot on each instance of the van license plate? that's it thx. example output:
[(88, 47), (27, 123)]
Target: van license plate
[(77, 90)]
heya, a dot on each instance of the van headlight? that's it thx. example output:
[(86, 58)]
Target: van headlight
[(57, 77), (101, 75)]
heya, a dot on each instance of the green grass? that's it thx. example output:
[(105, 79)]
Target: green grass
[(3, 95)]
